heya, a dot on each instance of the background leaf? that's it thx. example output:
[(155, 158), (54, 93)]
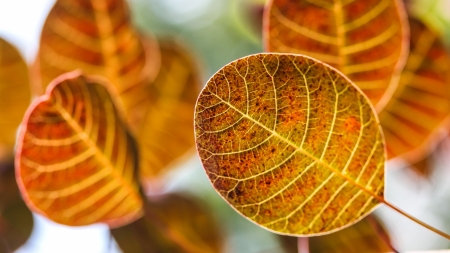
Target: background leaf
[(365, 39), (166, 132), (75, 160), (98, 37), (14, 95), (290, 143), (173, 223), (421, 104)]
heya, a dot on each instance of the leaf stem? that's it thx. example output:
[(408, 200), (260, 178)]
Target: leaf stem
[(303, 245)]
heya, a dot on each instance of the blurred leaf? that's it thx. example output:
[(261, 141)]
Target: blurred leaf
[(365, 39), (290, 143), (98, 37), (173, 223), (421, 104), (367, 236), (75, 160), (16, 220), (166, 132), (15, 95)]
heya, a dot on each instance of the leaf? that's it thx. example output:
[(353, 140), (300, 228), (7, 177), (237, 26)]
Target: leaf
[(14, 95), (166, 132), (367, 236), (290, 143), (75, 160), (16, 220), (173, 223), (421, 104), (98, 37), (365, 39)]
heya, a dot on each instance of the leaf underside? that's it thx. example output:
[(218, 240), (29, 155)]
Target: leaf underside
[(365, 39), (15, 94), (290, 143), (75, 159), (421, 104), (97, 37)]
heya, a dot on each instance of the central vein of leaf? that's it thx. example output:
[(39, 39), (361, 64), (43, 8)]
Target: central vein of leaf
[(340, 32)]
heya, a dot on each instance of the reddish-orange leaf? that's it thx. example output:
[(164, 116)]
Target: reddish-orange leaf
[(98, 37), (75, 160), (14, 95), (166, 132), (16, 221), (421, 104), (173, 223), (365, 39), (366, 236), (290, 143)]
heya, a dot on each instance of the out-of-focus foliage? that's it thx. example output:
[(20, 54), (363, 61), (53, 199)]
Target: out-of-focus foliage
[(173, 223), (75, 160)]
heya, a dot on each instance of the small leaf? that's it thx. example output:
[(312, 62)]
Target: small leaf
[(75, 160), (166, 132), (290, 143), (15, 95), (365, 39), (367, 236), (98, 37), (16, 220), (173, 223), (421, 104)]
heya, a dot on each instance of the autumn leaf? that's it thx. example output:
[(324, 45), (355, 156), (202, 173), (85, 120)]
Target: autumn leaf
[(16, 220), (15, 95), (367, 236), (365, 39), (290, 143), (98, 37), (75, 161), (166, 132), (421, 104), (173, 223)]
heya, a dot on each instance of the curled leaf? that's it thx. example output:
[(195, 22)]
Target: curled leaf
[(75, 160), (166, 132), (173, 223), (421, 104), (365, 39), (98, 37), (15, 95), (290, 143)]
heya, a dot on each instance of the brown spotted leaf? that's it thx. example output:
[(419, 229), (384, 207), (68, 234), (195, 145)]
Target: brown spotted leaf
[(365, 39), (290, 143), (16, 220), (15, 95), (367, 236), (98, 37), (166, 132), (75, 161), (173, 223), (421, 104)]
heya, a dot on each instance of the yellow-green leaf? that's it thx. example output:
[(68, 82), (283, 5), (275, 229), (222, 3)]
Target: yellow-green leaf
[(75, 161), (365, 39), (173, 223), (421, 104), (166, 132), (98, 37), (290, 143), (15, 95)]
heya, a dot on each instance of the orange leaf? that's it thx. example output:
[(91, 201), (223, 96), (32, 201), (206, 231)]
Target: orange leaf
[(166, 132), (173, 223), (365, 39), (290, 143), (75, 160), (421, 104), (15, 95), (98, 37)]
